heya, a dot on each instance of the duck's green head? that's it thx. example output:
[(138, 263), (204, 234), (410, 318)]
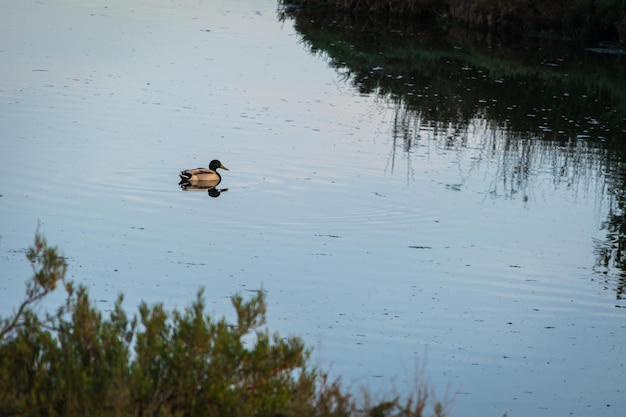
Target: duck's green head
[(215, 164)]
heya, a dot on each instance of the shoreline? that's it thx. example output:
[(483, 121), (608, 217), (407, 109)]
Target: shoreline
[(588, 20)]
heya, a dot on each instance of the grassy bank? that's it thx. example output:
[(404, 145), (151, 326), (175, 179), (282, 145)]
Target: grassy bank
[(581, 19), (77, 362)]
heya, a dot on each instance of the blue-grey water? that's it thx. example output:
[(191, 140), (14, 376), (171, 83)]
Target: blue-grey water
[(383, 259)]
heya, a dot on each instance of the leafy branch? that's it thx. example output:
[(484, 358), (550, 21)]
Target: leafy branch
[(48, 269)]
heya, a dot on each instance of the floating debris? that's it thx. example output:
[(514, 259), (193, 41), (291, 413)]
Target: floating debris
[(333, 236)]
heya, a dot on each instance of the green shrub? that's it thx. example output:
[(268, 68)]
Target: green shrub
[(76, 362)]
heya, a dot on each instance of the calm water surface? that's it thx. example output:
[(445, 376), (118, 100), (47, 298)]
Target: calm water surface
[(476, 254)]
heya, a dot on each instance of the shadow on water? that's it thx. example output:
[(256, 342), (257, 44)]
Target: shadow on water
[(534, 101)]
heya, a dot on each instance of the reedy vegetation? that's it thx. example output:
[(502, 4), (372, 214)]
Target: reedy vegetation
[(573, 19), (76, 362)]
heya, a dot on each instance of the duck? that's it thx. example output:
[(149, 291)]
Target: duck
[(203, 175)]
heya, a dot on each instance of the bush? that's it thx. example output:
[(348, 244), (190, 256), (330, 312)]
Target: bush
[(76, 362)]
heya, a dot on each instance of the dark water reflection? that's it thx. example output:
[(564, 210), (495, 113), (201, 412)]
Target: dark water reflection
[(550, 89), (543, 103)]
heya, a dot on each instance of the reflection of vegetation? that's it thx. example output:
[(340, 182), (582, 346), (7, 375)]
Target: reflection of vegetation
[(455, 75), (78, 363), (612, 252), (539, 104)]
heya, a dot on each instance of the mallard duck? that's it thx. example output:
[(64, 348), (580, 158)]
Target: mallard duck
[(208, 175)]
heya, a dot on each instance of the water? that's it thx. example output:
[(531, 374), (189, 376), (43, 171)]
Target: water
[(383, 237)]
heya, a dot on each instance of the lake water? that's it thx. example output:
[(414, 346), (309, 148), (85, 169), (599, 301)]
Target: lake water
[(386, 234)]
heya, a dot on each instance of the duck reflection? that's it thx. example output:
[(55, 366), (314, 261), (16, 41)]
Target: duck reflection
[(209, 186)]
